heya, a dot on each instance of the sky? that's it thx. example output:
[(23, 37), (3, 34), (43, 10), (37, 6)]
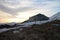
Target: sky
[(21, 10)]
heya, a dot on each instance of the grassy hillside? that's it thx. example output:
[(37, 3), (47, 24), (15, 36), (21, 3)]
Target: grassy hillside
[(47, 31)]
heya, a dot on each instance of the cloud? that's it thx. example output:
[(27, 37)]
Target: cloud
[(16, 3), (4, 15), (16, 9), (13, 6), (53, 6)]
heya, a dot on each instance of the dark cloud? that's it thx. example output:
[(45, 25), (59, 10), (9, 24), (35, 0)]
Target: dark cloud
[(6, 9), (13, 11)]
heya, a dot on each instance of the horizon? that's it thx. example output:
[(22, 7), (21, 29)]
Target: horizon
[(20, 10)]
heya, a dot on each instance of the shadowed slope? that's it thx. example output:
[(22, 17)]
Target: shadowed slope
[(47, 31)]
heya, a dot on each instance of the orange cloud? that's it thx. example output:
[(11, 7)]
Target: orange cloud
[(3, 20)]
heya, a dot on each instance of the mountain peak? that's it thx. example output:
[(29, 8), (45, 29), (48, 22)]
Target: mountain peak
[(38, 17)]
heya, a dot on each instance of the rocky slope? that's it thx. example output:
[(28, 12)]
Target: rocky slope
[(47, 31), (56, 16)]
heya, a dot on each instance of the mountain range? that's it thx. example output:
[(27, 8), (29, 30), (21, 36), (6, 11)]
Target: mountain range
[(37, 19)]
